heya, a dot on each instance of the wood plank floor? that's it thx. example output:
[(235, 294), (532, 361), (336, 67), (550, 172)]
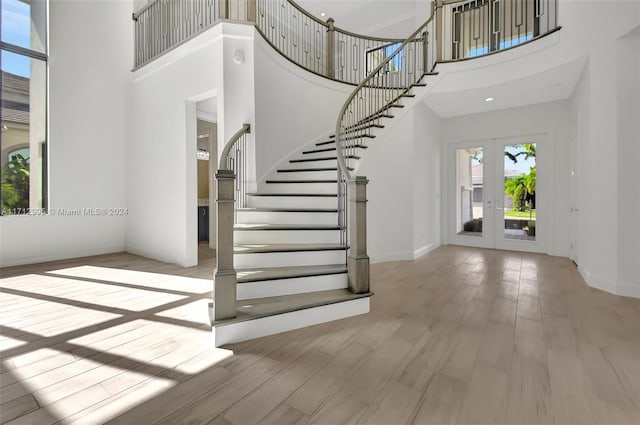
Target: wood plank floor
[(460, 336)]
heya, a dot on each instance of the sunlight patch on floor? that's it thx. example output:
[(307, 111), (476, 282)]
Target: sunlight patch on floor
[(196, 311)]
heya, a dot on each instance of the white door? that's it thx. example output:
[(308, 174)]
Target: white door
[(573, 194), (496, 194)]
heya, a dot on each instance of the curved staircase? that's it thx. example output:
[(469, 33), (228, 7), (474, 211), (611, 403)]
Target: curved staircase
[(289, 253)]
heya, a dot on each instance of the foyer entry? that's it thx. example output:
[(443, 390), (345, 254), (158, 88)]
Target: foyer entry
[(494, 197)]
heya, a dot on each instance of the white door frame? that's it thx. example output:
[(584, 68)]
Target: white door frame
[(493, 224)]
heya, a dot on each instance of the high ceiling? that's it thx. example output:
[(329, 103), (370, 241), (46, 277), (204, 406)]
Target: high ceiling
[(548, 85), (534, 73), (385, 18)]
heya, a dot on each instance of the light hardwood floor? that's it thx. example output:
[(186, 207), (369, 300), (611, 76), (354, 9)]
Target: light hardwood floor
[(462, 335)]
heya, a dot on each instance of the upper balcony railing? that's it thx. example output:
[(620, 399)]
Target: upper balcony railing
[(317, 46), (473, 28), (463, 30)]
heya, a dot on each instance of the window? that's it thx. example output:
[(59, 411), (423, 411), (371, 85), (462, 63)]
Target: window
[(374, 57), (23, 139)]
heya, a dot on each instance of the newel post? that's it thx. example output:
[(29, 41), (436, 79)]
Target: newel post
[(331, 49), (224, 281), (358, 260)]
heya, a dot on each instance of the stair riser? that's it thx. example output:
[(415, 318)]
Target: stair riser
[(285, 236), (288, 259), (298, 187), (305, 175), (298, 285), (260, 217), (292, 202), (243, 331)]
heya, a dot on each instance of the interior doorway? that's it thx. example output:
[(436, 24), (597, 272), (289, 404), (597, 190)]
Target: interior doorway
[(494, 195), (206, 155)]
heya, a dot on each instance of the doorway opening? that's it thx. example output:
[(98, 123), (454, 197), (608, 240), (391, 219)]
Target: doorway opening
[(206, 157)]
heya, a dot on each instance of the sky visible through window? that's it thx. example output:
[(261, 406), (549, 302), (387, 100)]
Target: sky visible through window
[(16, 29), (523, 166)]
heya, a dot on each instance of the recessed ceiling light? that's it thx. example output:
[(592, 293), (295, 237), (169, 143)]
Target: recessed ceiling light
[(322, 14), (489, 99)]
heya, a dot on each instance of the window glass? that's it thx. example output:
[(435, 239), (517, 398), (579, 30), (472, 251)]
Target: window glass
[(24, 24), (23, 78)]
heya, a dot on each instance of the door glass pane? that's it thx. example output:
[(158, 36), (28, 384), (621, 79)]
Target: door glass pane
[(469, 191), (519, 212)]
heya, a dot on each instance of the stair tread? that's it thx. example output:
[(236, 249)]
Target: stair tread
[(297, 170), (286, 247), (333, 149), (293, 210), (329, 158), (318, 151), (301, 181), (266, 226), (327, 195), (274, 273), (333, 142), (258, 308)]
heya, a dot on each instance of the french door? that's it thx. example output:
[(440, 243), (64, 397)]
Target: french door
[(496, 195)]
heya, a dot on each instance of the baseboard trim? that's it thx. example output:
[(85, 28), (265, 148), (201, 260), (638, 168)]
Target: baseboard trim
[(596, 283), (620, 289), (626, 290), (425, 250), (62, 256), (392, 256)]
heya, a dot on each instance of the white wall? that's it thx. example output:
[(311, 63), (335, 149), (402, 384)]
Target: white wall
[(390, 192), (403, 167), (426, 179), (628, 93), (161, 156), (293, 106), (606, 110), (550, 120), (88, 74)]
